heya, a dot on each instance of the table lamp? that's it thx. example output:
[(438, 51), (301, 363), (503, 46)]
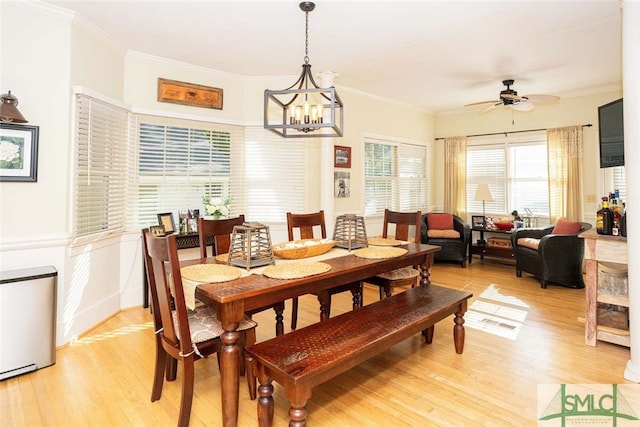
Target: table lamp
[(483, 194)]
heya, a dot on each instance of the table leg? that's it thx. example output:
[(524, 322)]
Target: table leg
[(324, 298), (425, 270), (230, 317), (458, 329), (279, 309)]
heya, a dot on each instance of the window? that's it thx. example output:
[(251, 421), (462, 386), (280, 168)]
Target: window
[(180, 162), (274, 175), (515, 167), (102, 136), (132, 167), (395, 176), (620, 182)]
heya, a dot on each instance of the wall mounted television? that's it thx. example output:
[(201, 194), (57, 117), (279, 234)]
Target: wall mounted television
[(611, 125)]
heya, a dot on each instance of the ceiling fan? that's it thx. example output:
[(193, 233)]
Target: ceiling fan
[(510, 98)]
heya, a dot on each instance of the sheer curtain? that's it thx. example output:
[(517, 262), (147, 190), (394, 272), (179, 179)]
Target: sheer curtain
[(565, 173), (455, 175)]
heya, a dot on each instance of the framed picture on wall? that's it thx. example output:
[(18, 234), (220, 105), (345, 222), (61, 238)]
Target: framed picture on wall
[(18, 152), (342, 184), (341, 156)]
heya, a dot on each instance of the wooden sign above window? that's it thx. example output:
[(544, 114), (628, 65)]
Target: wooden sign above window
[(190, 94)]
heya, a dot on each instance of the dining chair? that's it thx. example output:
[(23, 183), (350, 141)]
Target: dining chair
[(306, 223), (182, 334), (402, 276), (216, 233)]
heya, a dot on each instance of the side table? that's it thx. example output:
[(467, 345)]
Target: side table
[(482, 250)]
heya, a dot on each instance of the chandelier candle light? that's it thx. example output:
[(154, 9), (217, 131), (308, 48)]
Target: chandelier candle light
[(305, 107)]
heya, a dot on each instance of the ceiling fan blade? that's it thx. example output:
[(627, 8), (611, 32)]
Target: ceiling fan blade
[(543, 99), (510, 96), (476, 104), (522, 106), (491, 107)]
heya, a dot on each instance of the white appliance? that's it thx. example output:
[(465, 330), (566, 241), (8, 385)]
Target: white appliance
[(27, 320)]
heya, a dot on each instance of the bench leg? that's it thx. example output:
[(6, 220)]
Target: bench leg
[(297, 416), (298, 396), (428, 334), (265, 399), (458, 331)]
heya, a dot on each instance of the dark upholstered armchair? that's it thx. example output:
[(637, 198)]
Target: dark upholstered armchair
[(552, 254), (449, 232)]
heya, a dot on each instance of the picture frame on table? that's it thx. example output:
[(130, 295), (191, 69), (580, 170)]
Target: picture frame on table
[(341, 156), (166, 220), (478, 221), (18, 152)]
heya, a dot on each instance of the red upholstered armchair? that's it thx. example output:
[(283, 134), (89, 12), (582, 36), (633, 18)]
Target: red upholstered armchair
[(449, 232), (552, 254)]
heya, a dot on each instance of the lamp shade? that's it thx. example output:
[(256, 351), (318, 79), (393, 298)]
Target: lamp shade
[(483, 194), (9, 109)]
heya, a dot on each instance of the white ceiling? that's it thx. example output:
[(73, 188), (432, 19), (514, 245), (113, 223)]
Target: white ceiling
[(436, 55)]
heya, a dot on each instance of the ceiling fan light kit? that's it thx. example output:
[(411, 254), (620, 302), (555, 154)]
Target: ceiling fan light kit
[(304, 109), (509, 98)]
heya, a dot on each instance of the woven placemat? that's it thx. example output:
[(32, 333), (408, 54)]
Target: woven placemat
[(296, 270), (210, 273), (384, 241), (222, 258), (379, 252)]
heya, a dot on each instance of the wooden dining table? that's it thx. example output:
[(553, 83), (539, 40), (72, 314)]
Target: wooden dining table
[(233, 298)]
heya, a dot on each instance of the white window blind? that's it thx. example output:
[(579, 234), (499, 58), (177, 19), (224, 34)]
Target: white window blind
[(620, 182), (274, 175), (180, 162), (395, 176), (102, 136), (515, 169)]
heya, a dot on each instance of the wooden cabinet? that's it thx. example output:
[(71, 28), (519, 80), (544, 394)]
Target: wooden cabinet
[(603, 252)]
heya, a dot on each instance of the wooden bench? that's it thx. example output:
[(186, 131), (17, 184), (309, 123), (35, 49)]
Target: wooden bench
[(312, 355)]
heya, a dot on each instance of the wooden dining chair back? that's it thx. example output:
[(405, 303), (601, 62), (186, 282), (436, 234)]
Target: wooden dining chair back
[(306, 224), (216, 233), (401, 223), (181, 335)]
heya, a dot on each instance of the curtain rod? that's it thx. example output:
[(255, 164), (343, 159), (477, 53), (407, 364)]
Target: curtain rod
[(513, 131)]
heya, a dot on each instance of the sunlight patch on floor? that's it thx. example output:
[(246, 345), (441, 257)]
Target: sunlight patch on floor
[(497, 314), (112, 334)]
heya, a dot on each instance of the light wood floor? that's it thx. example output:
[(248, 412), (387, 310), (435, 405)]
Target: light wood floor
[(104, 379)]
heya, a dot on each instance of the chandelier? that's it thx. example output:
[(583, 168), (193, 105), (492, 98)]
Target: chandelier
[(304, 109)]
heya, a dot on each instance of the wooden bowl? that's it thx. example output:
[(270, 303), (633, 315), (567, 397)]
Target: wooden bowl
[(302, 248)]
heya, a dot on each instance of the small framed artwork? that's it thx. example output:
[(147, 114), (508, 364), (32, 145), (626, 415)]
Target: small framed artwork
[(477, 221), (191, 94), (342, 184), (18, 152), (341, 156), (166, 220)]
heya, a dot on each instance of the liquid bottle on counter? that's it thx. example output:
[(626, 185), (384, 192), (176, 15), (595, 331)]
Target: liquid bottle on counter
[(623, 222), (604, 218)]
